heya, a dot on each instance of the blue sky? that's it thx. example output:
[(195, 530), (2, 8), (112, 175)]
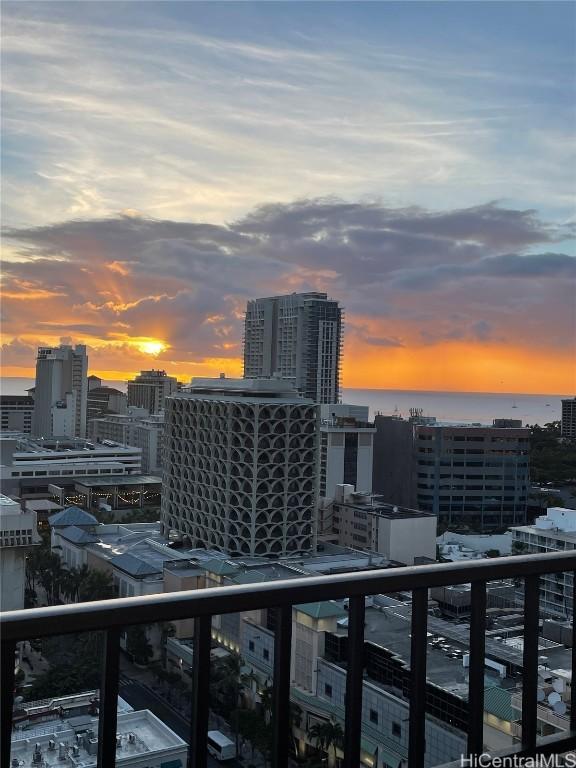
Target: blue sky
[(164, 162), (230, 105)]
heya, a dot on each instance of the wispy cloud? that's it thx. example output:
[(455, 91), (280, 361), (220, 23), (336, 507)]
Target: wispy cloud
[(176, 117)]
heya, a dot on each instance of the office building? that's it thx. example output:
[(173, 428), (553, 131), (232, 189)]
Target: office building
[(18, 534), (104, 400), (16, 413), (240, 468), (392, 465), (470, 474), (553, 532), (346, 447), (61, 392), (569, 418), (296, 337), (135, 428), (150, 389)]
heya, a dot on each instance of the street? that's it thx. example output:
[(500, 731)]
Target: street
[(141, 697)]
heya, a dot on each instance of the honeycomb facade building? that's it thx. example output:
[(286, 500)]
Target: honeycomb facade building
[(241, 467)]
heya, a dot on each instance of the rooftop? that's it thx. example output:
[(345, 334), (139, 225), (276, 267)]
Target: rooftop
[(257, 388), (375, 505), (322, 610), (72, 516), (133, 566), (42, 505), (118, 480), (77, 535), (16, 400), (138, 733)]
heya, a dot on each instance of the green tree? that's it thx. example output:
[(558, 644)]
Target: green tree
[(328, 735), (137, 645), (75, 665), (95, 585)]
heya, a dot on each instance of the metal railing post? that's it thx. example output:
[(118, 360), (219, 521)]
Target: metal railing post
[(8, 650), (530, 662), (198, 752), (108, 706), (476, 674), (573, 687), (418, 651), (354, 681), (281, 691)]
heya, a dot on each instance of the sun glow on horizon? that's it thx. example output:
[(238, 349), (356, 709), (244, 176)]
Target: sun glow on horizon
[(152, 347)]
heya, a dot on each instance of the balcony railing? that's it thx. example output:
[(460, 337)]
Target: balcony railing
[(113, 615)]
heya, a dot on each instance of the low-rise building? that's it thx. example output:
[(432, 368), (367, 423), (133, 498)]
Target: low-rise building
[(29, 465), (142, 741), (18, 533), (365, 521)]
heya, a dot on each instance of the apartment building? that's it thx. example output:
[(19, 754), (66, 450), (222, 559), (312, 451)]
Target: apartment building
[(60, 397), (553, 532), (16, 412), (568, 424), (136, 428), (150, 389), (346, 448), (297, 337), (104, 400)]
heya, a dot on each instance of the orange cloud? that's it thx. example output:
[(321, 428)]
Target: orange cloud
[(116, 266), (27, 291)]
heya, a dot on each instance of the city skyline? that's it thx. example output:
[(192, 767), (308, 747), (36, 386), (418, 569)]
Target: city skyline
[(412, 161)]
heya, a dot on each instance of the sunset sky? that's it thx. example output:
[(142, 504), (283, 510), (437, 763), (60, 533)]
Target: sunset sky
[(164, 162)]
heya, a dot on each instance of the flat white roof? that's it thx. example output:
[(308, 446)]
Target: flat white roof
[(140, 733)]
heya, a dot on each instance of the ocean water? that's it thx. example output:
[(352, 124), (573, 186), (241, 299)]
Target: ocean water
[(445, 406), (460, 406)]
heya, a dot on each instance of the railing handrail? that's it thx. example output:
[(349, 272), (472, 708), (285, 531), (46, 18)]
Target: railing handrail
[(126, 611)]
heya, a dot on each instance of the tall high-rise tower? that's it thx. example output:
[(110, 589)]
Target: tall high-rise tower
[(241, 467), (296, 337), (61, 391)]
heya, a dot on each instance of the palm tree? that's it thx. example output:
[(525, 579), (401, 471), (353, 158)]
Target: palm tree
[(327, 735), (295, 719)]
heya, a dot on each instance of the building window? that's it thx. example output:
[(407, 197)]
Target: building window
[(251, 645), (374, 716), (396, 729), (328, 690), (266, 653)]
